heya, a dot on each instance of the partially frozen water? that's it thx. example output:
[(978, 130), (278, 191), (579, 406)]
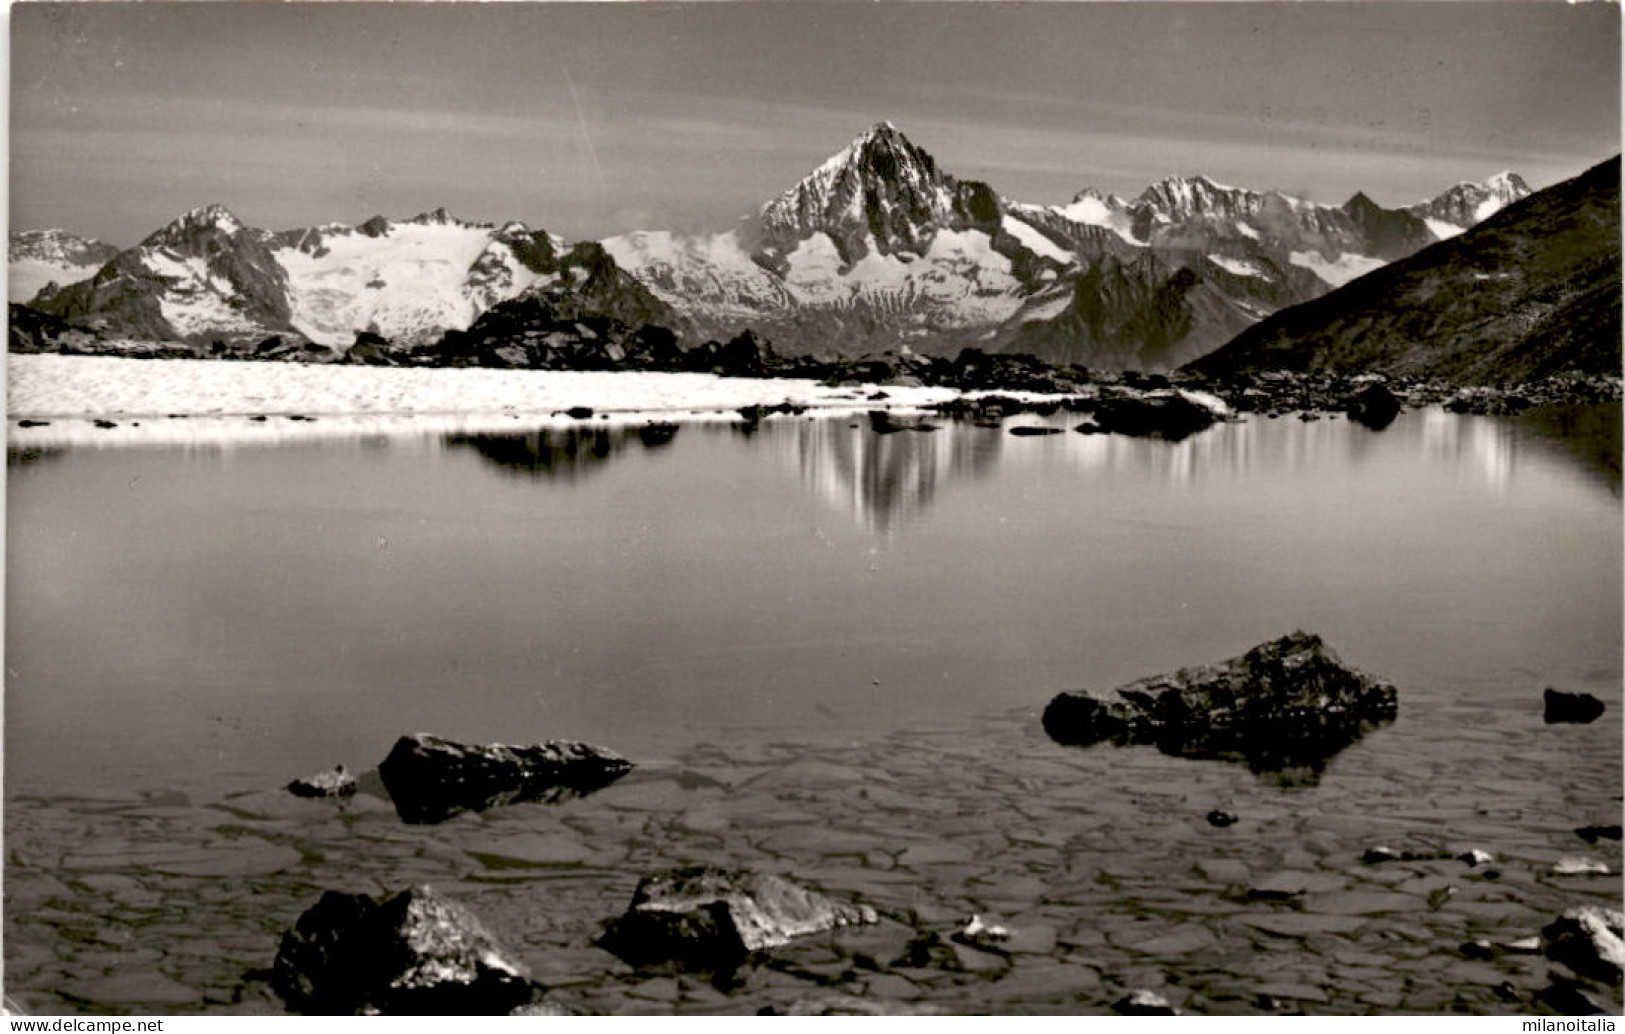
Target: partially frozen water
[(827, 650)]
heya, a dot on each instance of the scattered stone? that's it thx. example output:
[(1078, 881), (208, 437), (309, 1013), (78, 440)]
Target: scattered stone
[(1285, 703), (1281, 886), (1378, 855), (1221, 819), (431, 779), (1592, 834), (1576, 866), (1479, 949), (413, 953), (1440, 895), (1574, 708), (982, 935), (1144, 1003), (335, 783), (714, 919)]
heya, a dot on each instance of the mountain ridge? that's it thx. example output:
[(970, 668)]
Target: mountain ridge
[(1531, 292), (877, 248)]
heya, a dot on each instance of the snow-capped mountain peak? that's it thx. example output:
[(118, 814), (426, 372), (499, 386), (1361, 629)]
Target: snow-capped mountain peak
[(1468, 203), (36, 258), (881, 193), (1182, 197)]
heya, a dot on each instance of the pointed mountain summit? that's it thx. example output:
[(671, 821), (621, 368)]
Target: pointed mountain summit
[(184, 231), (879, 193), (1467, 204)]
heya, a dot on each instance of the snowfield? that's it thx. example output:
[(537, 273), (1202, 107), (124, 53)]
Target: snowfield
[(218, 398)]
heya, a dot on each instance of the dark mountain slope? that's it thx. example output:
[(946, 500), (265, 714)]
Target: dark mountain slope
[(1532, 291)]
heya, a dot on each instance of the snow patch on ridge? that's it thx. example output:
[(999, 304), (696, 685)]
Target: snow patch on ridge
[(1092, 211), (1035, 241), (1240, 267), (1338, 271), (1443, 230)]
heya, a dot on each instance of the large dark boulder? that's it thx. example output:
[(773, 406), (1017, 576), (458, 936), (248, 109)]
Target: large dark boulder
[(713, 919), (1170, 415), (412, 953), (1283, 704), (1374, 406), (1589, 941), (1574, 708), (431, 779)]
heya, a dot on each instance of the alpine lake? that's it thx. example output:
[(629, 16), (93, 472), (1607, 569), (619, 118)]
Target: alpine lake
[(827, 651)]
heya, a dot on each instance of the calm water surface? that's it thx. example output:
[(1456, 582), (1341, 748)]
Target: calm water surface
[(827, 649)]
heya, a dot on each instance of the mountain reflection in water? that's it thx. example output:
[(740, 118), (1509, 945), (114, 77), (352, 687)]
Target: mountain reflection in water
[(566, 454), (886, 481)]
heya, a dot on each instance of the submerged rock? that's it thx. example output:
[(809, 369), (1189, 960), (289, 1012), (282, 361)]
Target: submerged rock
[(413, 953), (1283, 704), (431, 779), (1576, 708), (837, 1004), (714, 919), (335, 783)]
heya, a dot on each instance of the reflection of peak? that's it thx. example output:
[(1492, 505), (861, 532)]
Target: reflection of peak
[(887, 480), (567, 453)]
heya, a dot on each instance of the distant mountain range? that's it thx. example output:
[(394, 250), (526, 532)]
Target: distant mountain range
[(876, 249), (1532, 291)]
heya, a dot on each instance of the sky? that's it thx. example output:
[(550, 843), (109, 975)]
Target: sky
[(595, 119)]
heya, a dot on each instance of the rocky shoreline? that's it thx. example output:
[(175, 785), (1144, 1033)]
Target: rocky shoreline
[(853, 881)]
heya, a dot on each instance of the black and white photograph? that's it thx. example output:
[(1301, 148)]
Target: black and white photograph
[(859, 509)]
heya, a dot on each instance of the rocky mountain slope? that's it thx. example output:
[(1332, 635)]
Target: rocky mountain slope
[(879, 247), (1531, 292), (37, 258), (207, 277)]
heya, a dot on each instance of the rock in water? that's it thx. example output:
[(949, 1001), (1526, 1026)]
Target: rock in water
[(1578, 708), (1144, 1003), (431, 779), (1375, 406), (413, 953), (1589, 941), (713, 919), (1283, 704), (1171, 415), (336, 783)]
